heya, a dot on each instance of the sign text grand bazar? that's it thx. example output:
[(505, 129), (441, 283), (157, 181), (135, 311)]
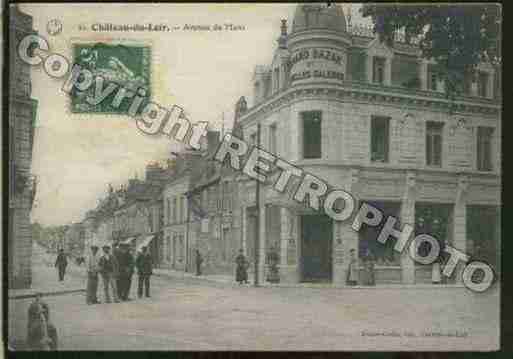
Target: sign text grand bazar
[(317, 54)]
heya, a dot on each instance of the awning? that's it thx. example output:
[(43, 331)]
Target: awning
[(145, 242)]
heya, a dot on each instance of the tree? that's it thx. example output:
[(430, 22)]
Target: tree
[(458, 37)]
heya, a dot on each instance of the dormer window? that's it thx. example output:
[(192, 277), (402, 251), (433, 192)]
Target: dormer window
[(484, 148), (378, 70)]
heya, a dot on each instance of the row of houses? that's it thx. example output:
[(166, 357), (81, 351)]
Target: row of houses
[(184, 206), (366, 117)]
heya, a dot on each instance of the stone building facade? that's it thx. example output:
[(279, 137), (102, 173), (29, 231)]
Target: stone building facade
[(375, 121), (200, 212), (175, 226), (22, 116)]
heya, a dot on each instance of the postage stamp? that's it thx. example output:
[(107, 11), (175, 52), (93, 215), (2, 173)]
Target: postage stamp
[(126, 64)]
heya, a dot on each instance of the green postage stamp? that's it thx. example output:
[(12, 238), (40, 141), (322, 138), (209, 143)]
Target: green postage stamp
[(126, 64)]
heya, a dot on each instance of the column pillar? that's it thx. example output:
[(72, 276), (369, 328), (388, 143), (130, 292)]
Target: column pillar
[(288, 259), (388, 71), (459, 224), (284, 234), (344, 237), (243, 226), (491, 84), (408, 217), (261, 242), (368, 68)]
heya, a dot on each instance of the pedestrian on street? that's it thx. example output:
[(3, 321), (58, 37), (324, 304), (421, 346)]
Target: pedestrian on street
[(61, 263), (368, 272), (117, 253), (41, 333), (126, 270), (92, 276), (199, 262), (109, 269), (273, 259), (241, 274), (144, 266), (352, 274)]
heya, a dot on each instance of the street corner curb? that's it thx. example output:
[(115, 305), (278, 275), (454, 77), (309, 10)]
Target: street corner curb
[(46, 294)]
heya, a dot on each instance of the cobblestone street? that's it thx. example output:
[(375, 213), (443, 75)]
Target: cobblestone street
[(195, 314)]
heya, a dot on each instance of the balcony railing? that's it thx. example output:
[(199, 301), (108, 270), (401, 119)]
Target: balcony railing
[(389, 89)]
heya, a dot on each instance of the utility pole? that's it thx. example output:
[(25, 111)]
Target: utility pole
[(257, 220)]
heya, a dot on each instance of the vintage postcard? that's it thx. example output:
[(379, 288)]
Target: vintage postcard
[(262, 177)]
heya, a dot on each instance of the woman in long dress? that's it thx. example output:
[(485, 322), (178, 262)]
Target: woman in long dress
[(352, 275), (369, 268), (241, 274)]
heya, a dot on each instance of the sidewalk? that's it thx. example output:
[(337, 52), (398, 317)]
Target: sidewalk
[(230, 279), (45, 279)]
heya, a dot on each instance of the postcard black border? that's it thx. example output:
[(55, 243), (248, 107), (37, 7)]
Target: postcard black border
[(506, 341)]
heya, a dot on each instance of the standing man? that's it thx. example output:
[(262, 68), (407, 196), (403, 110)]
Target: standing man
[(61, 263), (144, 266), (116, 253), (199, 261), (108, 268), (42, 334), (126, 270), (92, 276)]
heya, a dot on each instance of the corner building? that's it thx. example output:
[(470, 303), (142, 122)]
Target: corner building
[(22, 184), (375, 121)]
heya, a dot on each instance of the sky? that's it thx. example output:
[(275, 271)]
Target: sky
[(76, 156)]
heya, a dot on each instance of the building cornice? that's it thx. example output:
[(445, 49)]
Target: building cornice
[(361, 92)]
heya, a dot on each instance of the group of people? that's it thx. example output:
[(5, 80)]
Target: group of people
[(367, 275), (116, 271)]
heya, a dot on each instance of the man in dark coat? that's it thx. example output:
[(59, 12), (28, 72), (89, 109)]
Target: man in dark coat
[(41, 333), (144, 266), (241, 274), (61, 263), (92, 276), (116, 252), (126, 270), (199, 261), (109, 270)]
